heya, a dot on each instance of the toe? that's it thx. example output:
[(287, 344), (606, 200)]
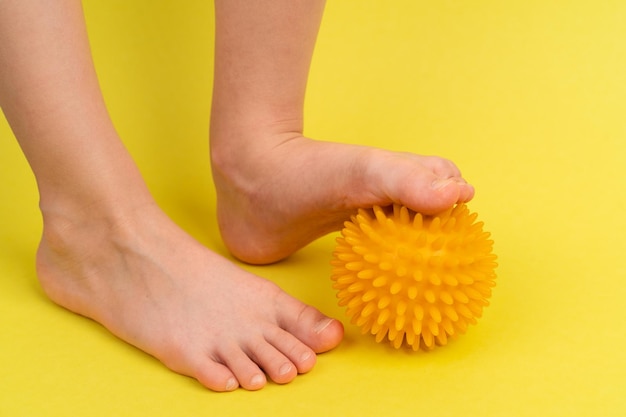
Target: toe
[(209, 372), (298, 353), (216, 376), (428, 194), (249, 375), (466, 192), (425, 184), (319, 332), (276, 365), (431, 196)]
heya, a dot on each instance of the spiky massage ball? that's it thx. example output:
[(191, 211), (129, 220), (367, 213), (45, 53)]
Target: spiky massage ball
[(414, 279)]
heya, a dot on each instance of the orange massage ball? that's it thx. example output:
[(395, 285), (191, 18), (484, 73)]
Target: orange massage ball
[(414, 280)]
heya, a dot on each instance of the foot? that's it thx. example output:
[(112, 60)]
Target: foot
[(155, 287), (276, 197)]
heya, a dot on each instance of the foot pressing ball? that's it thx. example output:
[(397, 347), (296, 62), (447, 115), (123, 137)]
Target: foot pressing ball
[(411, 279)]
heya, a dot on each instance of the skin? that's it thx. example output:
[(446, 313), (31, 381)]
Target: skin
[(109, 253)]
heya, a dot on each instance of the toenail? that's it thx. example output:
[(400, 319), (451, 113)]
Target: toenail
[(439, 184), (257, 380), (322, 325), (231, 384), (285, 369), (305, 356)]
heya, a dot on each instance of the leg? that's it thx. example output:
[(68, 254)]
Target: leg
[(107, 251), (278, 190)]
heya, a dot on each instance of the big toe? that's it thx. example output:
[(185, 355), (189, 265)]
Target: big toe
[(432, 196), (449, 191), (318, 331), (326, 333), (428, 185)]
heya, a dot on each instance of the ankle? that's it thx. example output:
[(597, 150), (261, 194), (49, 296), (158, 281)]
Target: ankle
[(77, 243), (103, 199), (73, 227), (237, 142)]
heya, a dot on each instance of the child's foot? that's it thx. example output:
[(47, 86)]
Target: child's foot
[(154, 286), (276, 197)]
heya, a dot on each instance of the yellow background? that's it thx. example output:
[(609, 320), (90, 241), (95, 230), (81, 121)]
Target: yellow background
[(527, 97)]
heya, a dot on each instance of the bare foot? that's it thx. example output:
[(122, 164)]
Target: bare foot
[(277, 195), (154, 286)]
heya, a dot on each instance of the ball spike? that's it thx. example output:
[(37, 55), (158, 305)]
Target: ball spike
[(403, 214), (418, 221)]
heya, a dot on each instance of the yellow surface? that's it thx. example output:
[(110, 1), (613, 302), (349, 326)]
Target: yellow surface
[(528, 97)]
